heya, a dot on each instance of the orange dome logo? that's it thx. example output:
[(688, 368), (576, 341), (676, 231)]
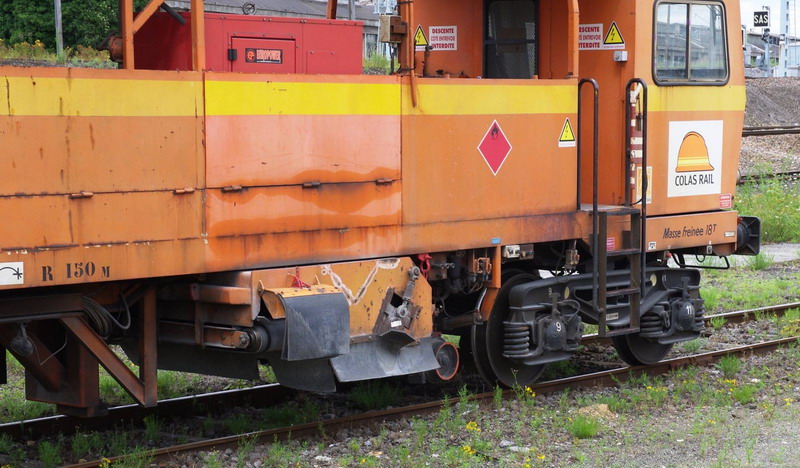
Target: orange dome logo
[(693, 154)]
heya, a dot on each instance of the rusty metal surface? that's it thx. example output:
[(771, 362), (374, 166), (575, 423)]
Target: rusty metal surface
[(38, 307), (148, 348), (113, 364)]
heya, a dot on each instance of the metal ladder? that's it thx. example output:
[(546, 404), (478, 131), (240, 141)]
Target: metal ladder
[(634, 245)]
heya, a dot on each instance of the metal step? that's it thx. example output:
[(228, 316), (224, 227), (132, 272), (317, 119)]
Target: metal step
[(622, 211)]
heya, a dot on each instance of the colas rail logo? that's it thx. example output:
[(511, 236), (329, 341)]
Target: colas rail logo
[(693, 157)]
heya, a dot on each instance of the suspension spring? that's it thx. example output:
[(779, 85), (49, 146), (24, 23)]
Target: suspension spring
[(516, 339), (650, 323)]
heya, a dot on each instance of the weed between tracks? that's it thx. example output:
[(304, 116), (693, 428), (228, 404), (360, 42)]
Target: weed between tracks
[(709, 415), (777, 203)]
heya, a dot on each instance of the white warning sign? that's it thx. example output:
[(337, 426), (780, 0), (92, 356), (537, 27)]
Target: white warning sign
[(12, 273), (613, 39), (443, 37), (420, 41), (590, 36), (594, 36), (567, 137)]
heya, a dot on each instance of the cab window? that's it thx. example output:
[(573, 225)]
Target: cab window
[(510, 39), (690, 43)]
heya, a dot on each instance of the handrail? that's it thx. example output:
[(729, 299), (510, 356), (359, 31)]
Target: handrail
[(595, 152), (645, 181)]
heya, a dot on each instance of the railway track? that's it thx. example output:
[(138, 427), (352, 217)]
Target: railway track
[(770, 130), (259, 395), (786, 175), (602, 378)]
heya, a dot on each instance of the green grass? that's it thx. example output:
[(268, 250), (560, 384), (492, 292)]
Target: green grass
[(85, 443), (760, 262), (729, 365), (717, 322), (731, 290), (49, 454), (376, 64), (583, 427), (136, 457), (79, 57), (152, 428), (694, 346), (374, 394), (777, 204), (238, 424), (744, 394)]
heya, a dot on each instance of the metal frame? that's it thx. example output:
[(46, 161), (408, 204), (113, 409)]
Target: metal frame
[(130, 24), (689, 81)]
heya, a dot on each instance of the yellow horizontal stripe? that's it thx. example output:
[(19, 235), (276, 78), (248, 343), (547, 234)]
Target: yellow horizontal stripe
[(99, 97), (696, 98), (292, 98), (488, 99)]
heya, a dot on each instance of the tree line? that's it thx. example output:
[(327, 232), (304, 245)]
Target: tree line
[(84, 22)]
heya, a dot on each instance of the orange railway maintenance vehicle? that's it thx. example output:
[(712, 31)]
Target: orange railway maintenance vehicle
[(238, 192)]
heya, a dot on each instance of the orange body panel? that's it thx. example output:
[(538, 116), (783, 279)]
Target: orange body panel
[(295, 149), (294, 208), (467, 59)]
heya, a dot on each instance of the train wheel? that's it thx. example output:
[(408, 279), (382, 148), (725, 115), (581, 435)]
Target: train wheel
[(637, 351), (487, 343)]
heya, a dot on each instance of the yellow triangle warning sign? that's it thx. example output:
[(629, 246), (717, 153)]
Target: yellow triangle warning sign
[(567, 138), (613, 37), (420, 41)]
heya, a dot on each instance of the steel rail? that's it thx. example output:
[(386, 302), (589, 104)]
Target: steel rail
[(603, 378), (770, 130), (767, 176), (128, 413)]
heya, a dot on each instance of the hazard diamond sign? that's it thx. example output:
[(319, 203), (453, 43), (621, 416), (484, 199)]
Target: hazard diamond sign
[(494, 147)]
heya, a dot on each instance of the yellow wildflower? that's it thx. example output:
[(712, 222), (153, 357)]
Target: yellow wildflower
[(473, 426), (468, 450)]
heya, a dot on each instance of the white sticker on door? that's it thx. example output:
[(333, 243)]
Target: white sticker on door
[(695, 158)]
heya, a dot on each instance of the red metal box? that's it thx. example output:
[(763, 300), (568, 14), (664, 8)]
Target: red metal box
[(253, 44)]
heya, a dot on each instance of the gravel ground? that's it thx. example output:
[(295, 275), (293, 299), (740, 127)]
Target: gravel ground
[(771, 102), (691, 418)]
